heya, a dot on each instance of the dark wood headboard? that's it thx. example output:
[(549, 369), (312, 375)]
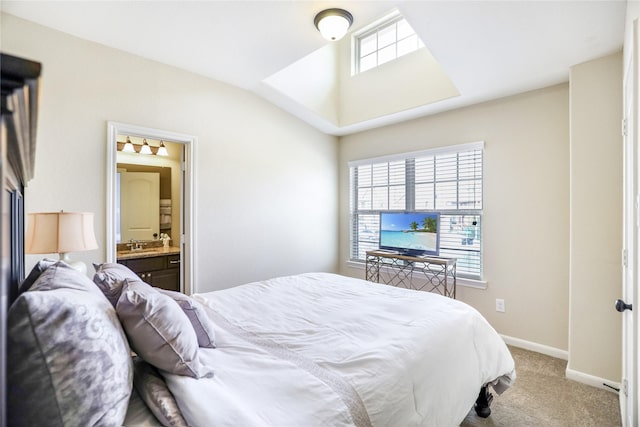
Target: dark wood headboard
[(19, 79)]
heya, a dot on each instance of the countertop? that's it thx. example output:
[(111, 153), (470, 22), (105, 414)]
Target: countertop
[(147, 253)]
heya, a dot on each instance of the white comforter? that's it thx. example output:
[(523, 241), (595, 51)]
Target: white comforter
[(325, 350)]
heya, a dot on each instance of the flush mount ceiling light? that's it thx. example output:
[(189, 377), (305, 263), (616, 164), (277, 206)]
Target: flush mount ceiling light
[(333, 23)]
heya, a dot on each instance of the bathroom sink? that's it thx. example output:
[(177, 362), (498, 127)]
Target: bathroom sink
[(142, 251)]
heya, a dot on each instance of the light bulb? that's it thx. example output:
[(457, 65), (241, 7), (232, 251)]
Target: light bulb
[(145, 149), (162, 150), (128, 147), (333, 27)]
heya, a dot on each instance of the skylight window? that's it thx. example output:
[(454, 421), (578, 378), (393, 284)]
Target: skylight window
[(385, 42)]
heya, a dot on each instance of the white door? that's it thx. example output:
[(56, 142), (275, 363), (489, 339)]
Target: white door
[(139, 205), (631, 222)]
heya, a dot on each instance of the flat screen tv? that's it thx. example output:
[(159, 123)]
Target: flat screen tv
[(410, 233)]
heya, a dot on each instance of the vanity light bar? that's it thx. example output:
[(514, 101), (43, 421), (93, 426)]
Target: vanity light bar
[(144, 148)]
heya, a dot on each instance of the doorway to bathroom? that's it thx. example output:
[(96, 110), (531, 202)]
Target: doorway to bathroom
[(150, 199)]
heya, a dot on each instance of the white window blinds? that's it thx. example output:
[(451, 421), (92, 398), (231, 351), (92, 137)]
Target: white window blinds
[(447, 180)]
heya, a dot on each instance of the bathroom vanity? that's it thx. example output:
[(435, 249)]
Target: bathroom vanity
[(159, 267)]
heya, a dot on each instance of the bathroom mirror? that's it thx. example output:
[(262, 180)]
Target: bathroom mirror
[(150, 196), (147, 202)]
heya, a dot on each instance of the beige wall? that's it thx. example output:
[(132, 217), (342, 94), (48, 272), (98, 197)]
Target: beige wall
[(408, 82), (595, 328), (526, 203), (262, 175)]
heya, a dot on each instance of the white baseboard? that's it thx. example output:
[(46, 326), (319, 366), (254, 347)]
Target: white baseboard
[(538, 348), (571, 374), (591, 380)]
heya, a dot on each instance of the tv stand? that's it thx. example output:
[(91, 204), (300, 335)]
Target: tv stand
[(421, 273)]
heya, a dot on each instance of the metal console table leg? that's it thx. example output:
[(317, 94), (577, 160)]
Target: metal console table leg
[(430, 274)]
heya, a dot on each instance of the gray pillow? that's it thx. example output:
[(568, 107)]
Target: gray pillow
[(110, 278), (201, 323), (158, 330), (68, 361), (156, 394), (61, 275), (36, 271)]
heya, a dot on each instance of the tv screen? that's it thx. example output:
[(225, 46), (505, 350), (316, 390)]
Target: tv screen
[(410, 233)]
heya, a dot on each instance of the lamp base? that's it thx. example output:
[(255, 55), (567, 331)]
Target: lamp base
[(76, 265)]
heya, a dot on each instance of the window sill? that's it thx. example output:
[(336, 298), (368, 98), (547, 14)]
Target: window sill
[(460, 281)]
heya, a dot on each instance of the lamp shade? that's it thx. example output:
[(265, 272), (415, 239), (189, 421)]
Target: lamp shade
[(333, 24), (59, 232)]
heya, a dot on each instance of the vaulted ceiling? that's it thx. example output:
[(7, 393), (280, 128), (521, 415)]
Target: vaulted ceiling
[(475, 50)]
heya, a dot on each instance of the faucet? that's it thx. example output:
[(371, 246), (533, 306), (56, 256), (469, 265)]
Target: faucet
[(135, 245)]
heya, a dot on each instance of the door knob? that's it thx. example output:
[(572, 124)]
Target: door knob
[(622, 306)]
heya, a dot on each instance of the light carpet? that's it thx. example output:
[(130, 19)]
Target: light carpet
[(543, 396)]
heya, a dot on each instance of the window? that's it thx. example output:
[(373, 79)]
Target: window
[(446, 180), (384, 43)]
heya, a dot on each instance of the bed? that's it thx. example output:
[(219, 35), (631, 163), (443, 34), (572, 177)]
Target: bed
[(343, 351), (314, 349)]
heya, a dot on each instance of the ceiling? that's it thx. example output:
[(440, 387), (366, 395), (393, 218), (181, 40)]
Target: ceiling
[(489, 49)]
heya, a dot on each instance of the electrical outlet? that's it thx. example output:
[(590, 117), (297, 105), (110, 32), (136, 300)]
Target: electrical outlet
[(500, 305)]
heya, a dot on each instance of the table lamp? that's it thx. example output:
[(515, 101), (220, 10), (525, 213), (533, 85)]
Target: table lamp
[(61, 233)]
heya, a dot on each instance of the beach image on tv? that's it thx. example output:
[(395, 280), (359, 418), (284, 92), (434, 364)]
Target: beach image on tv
[(414, 231)]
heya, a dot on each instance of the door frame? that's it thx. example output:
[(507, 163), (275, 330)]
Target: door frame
[(631, 222), (188, 223)]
